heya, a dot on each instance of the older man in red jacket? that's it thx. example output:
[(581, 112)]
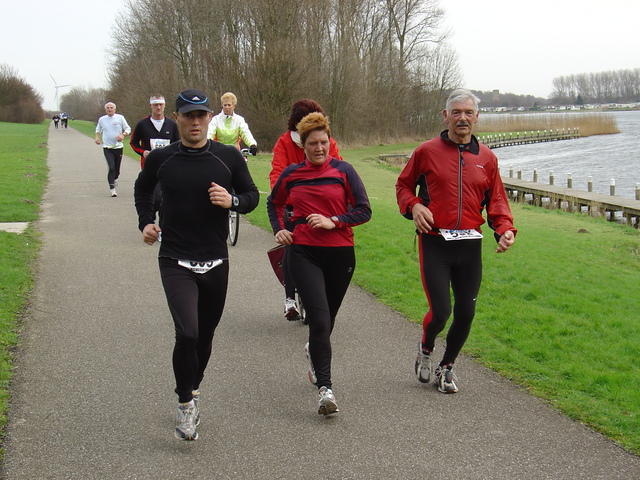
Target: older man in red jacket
[(457, 178)]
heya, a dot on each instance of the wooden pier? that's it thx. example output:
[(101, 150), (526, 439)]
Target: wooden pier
[(569, 199), (499, 140), (521, 138)]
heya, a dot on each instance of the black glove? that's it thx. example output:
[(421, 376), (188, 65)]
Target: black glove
[(253, 149)]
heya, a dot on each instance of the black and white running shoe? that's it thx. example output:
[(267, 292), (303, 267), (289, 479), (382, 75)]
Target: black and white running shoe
[(446, 379)]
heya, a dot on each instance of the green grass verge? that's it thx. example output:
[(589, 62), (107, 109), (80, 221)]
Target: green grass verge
[(556, 314), (23, 176)]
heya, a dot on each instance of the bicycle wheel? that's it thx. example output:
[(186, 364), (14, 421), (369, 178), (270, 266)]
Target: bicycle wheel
[(234, 226), (303, 313)]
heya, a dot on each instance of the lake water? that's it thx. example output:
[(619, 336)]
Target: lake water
[(603, 157)]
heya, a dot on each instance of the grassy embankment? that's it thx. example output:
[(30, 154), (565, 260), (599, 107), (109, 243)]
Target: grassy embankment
[(23, 175), (553, 313)]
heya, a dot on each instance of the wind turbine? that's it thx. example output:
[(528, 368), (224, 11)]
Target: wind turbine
[(55, 84)]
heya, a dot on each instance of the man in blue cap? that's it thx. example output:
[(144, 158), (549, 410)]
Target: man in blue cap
[(196, 176)]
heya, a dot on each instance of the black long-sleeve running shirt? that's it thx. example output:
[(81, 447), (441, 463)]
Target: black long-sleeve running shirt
[(193, 228), (146, 130)]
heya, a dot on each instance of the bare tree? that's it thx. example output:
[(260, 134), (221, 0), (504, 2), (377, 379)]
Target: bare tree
[(363, 60), (19, 102), (438, 74), (620, 86), (83, 104)]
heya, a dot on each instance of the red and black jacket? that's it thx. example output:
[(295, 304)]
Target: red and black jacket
[(457, 183), (332, 189), (145, 130)]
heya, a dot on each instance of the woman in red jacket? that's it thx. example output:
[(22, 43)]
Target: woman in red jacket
[(287, 151), (328, 199)]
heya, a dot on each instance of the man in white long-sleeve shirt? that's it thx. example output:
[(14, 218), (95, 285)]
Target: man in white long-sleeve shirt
[(113, 128)]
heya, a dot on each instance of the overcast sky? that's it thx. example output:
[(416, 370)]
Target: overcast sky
[(520, 46), (514, 46)]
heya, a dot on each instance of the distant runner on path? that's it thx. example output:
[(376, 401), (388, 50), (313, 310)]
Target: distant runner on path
[(154, 131), (114, 128)]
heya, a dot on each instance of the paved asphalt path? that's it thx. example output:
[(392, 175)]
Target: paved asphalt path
[(93, 389)]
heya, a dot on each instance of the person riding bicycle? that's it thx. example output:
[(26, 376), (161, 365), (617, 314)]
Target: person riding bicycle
[(230, 128)]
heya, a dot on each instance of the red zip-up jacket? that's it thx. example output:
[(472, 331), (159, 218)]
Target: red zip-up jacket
[(286, 152), (332, 189), (456, 182)]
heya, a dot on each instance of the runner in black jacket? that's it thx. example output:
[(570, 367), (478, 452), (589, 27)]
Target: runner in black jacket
[(154, 131), (196, 176)]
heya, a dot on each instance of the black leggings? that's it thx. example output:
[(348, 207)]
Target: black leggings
[(322, 276), (196, 302), (114, 159), (456, 264), (287, 278), (289, 284)]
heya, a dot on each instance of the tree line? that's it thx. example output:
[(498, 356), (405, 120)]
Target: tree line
[(19, 102), (615, 86), (84, 104), (495, 99), (380, 68)]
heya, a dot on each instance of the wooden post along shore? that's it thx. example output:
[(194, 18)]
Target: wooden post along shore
[(568, 199), (498, 140)]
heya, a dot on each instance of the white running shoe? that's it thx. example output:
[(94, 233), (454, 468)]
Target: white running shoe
[(446, 379), (422, 366), (326, 402), (113, 192), (186, 421), (196, 403), (312, 371), (291, 311)]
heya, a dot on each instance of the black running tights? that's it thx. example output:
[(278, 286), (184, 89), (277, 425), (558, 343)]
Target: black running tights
[(444, 264), (114, 159), (322, 276), (196, 302)]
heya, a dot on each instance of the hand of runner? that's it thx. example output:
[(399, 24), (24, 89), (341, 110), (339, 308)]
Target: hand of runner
[(150, 233), (219, 196), (422, 218), (315, 220), (506, 240), (284, 237)]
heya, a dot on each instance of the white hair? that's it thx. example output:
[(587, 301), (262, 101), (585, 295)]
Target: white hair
[(460, 95)]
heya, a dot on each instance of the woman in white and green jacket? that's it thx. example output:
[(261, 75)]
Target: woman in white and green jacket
[(230, 128)]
